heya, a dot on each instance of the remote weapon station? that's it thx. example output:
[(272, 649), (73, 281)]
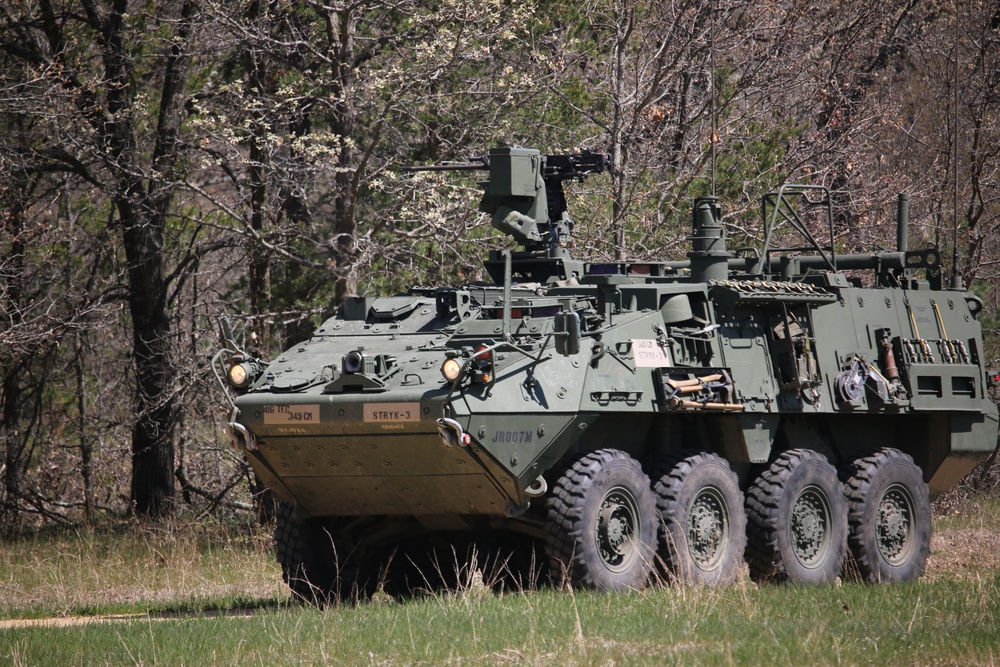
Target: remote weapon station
[(790, 407)]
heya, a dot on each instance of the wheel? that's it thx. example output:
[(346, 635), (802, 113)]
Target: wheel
[(306, 562), (310, 564), (889, 517), (603, 525), (701, 507), (797, 521)]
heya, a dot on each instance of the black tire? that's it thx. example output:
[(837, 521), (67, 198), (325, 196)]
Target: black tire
[(889, 517), (602, 523), (797, 521), (306, 562), (310, 564), (704, 521)]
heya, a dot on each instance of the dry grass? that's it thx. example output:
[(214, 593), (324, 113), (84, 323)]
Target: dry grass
[(162, 571), (219, 599), (966, 539), (137, 567), (141, 567)]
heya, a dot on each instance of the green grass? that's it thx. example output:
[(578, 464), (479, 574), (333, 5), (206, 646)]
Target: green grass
[(212, 596), (931, 622)]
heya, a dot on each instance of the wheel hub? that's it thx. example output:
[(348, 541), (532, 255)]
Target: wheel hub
[(810, 527), (894, 525), (617, 529), (708, 523)]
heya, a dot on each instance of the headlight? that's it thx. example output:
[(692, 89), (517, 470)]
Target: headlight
[(241, 376), (451, 369)]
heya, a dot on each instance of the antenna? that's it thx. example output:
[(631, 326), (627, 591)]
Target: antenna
[(956, 276), (711, 79)]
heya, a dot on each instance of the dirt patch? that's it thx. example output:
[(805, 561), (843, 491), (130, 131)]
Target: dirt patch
[(962, 552), (69, 621), (74, 621)]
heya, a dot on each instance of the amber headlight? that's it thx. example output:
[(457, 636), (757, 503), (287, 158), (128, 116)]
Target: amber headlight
[(451, 369), (240, 376)]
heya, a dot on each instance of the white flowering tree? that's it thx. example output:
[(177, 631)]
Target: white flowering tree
[(304, 125)]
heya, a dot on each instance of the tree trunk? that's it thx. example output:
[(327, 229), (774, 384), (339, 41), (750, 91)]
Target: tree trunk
[(153, 431), (13, 452), (10, 391), (259, 270), (143, 215), (86, 444)]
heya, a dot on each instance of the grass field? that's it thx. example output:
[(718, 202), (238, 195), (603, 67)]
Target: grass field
[(211, 595)]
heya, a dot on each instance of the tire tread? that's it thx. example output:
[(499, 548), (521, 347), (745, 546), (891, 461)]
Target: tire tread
[(566, 506), (859, 477), (764, 504)]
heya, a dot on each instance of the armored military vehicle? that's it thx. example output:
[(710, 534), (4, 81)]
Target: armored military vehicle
[(791, 407)]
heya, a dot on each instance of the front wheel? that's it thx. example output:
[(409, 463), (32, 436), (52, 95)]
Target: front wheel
[(306, 559), (797, 518), (889, 517), (701, 507), (603, 526), (316, 571)]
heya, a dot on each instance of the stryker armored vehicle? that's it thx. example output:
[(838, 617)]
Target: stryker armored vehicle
[(790, 407)]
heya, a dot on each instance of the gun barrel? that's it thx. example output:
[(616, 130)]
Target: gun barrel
[(578, 164), (481, 165), (557, 167)]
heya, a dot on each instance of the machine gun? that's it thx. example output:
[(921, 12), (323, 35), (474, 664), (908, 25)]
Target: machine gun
[(524, 192)]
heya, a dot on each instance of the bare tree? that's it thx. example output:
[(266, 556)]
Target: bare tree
[(88, 52), (47, 294), (164, 163)]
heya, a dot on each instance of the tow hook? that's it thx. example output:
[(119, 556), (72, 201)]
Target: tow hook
[(452, 433), (242, 437), (537, 489)]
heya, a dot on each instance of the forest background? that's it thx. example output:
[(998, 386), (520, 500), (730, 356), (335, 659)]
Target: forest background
[(164, 163)]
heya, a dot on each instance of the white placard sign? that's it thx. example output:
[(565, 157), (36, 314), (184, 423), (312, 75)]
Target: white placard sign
[(650, 354)]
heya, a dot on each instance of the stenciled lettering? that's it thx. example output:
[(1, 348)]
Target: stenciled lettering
[(291, 414), (391, 412), (512, 437)]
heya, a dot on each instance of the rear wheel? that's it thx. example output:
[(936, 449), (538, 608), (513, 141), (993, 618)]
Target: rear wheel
[(701, 507), (603, 525), (889, 517), (797, 521)]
